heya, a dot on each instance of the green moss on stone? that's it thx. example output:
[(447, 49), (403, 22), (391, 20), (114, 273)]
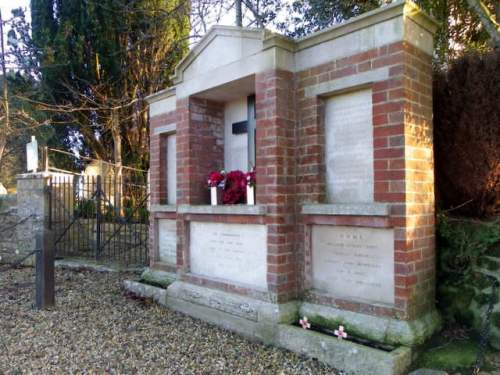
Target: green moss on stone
[(395, 333), (453, 356), (154, 278)]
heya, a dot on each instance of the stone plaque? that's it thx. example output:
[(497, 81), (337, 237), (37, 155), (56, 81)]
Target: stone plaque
[(233, 252), (355, 264), (167, 241), (172, 169), (349, 147)]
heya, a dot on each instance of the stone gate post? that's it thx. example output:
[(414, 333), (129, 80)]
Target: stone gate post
[(33, 210)]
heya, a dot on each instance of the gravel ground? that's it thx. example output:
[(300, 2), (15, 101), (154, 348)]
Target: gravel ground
[(97, 329)]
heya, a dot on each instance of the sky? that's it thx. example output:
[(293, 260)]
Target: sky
[(7, 5)]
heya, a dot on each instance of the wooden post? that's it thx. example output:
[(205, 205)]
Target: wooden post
[(45, 295)]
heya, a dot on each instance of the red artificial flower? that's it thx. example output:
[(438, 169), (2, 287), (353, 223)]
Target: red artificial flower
[(235, 188), (215, 178)]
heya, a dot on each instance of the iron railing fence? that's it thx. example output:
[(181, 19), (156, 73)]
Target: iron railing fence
[(105, 218)]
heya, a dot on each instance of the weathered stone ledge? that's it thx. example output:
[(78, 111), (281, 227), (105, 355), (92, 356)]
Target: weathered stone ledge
[(163, 208), (229, 209), (347, 209), (347, 356), (376, 328)]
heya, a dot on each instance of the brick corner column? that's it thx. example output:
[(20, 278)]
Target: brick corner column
[(404, 170), (276, 178)]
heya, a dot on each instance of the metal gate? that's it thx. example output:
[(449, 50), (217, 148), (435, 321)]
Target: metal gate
[(104, 218)]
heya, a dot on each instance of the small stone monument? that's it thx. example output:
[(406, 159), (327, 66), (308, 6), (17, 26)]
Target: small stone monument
[(32, 155)]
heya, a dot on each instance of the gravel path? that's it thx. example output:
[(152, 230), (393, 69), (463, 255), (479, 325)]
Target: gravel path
[(96, 329)]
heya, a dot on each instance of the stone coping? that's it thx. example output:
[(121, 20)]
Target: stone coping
[(347, 209), (398, 8), (36, 175), (377, 328), (346, 356), (229, 209), (159, 95), (163, 208)]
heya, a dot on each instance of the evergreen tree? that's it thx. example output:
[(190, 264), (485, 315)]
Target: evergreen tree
[(96, 61)]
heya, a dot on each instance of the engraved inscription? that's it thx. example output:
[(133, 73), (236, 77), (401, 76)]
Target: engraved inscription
[(349, 147), (243, 310), (354, 263), (232, 252)]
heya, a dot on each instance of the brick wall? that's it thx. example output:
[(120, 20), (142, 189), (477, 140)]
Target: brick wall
[(402, 127)]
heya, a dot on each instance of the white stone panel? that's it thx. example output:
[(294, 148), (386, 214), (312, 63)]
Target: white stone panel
[(235, 145), (221, 75), (349, 147), (352, 263), (222, 50), (236, 253), (167, 241), (172, 169), (163, 106)]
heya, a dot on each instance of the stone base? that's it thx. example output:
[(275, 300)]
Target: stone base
[(146, 291), (380, 329), (345, 355), (272, 324), (156, 277), (255, 319)]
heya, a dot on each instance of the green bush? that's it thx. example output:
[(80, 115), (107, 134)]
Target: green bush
[(468, 261), (462, 242)]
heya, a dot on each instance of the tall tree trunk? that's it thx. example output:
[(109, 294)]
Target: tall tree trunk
[(3, 143), (117, 153), (5, 96)]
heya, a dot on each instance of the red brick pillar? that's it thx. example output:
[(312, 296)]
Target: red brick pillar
[(200, 150), (403, 161), (276, 177)]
